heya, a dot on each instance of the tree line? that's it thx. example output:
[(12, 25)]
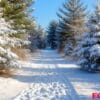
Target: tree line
[(77, 33)]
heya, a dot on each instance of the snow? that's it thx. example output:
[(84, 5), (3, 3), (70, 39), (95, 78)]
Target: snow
[(48, 76), (95, 50), (2, 60), (42, 91)]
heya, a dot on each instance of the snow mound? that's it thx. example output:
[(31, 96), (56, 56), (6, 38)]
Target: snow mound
[(43, 91)]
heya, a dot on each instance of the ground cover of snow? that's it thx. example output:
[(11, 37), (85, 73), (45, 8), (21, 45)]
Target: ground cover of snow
[(48, 76)]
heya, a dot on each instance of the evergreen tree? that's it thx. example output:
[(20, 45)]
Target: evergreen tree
[(40, 38), (17, 11), (37, 38), (7, 57), (51, 37), (89, 48), (61, 37), (72, 18), (14, 20)]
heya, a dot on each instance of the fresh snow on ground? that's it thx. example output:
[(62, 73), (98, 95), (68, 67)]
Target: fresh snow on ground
[(47, 76)]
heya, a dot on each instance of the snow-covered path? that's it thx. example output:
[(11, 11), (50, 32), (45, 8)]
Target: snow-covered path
[(48, 76), (54, 78), (48, 80)]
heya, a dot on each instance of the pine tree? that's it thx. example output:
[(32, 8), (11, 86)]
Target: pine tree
[(89, 48), (14, 20), (18, 12), (60, 37), (51, 37), (72, 18), (7, 57)]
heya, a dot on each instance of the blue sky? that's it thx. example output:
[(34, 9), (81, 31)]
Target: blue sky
[(45, 10)]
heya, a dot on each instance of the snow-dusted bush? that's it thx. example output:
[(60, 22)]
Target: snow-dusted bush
[(88, 48)]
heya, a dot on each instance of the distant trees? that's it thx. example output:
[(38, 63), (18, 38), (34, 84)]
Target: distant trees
[(40, 38), (51, 37), (37, 38)]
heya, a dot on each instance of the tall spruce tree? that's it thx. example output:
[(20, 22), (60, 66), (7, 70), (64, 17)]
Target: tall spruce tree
[(72, 18), (88, 49), (51, 37)]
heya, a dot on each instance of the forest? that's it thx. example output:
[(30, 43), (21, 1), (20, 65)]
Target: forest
[(75, 35)]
